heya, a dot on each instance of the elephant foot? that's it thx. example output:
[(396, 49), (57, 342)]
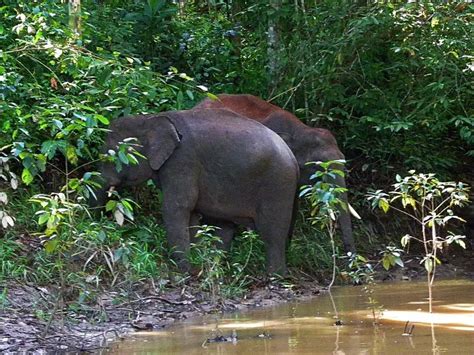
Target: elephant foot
[(182, 264), (277, 271)]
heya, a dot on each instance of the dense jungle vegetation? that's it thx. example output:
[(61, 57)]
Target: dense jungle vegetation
[(393, 81)]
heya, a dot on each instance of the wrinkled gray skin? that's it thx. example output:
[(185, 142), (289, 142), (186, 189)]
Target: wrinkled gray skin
[(214, 163), (306, 143)]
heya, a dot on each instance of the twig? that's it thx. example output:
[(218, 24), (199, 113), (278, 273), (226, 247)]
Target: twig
[(48, 325), (151, 298)]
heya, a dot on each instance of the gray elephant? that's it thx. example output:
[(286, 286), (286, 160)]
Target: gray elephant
[(307, 143), (214, 163)]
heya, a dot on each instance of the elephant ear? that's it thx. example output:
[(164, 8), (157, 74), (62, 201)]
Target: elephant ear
[(162, 139), (278, 122), (275, 121)]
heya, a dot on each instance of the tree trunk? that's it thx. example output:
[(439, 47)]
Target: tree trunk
[(75, 17), (181, 5), (273, 45)]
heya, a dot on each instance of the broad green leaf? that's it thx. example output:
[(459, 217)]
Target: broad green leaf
[(71, 154), (123, 157), (461, 243), (102, 236), (384, 205), (132, 159), (110, 205), (119, 218), (399, 262), (26, 177), (405, 239), (128, 213), (428, 264), (102, 119), (127, 205), (43, 218), (51, 245), (49, 148), (212, 96)]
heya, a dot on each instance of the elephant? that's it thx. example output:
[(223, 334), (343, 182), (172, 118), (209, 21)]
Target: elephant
[(306, 143), (214, 163)]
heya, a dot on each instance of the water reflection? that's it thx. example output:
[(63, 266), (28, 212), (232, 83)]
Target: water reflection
[(448, 319), (308, 328)]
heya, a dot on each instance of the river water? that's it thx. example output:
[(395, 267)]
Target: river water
[(308, 327)]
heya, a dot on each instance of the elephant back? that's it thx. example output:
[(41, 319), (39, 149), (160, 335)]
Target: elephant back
[(224, 130)]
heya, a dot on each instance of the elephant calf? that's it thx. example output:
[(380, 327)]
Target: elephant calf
[(214, 163)]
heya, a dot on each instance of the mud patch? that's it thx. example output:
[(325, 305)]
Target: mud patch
[(35, 320)]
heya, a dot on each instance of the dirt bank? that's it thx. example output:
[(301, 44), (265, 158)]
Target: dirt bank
[(26, 324)]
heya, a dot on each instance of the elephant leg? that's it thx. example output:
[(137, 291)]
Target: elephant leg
[(177, 217), (226, 233), (176, 224), (274, 232), (194, 225)]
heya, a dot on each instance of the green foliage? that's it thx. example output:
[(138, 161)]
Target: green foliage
[(246, 256), (391, 256), (9, 177), (141, 29), (226, 274), (325, 199), (392, 78), (361, 271), (100, 254), (309, 249), (429, 202), (210, 50), (324, 195), (12, 263), (209, 257), (57, 96)]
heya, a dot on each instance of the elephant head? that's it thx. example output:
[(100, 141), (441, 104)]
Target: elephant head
[(310, 144), (157, 139)]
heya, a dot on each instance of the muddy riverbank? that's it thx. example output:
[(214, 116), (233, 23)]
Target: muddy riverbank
[(33, 319), (26, 323)]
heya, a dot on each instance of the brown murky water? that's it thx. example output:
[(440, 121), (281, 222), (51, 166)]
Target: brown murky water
[(308, 327)]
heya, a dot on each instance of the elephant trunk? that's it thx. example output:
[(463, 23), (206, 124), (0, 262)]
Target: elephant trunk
[(345, 219)]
